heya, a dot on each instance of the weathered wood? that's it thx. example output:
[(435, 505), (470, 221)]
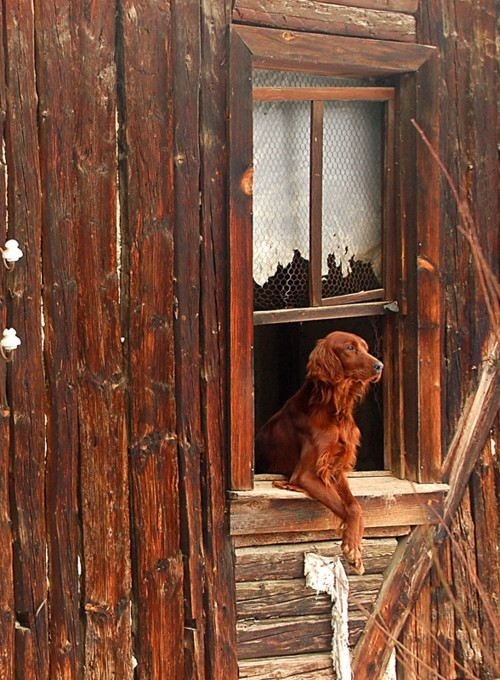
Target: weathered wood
[(101, 379), (26, 375), (384, 501), (332, 311), (278, 562), (247, 540), (485, 516), (59, 261), (469, 150), (147, 182), (296, 635), (443, 612), (429, 292), (221, 658), (331, 55), (280, 599), (7, 613), (296, 667), (191, 446), (322, 17), (410, 6), (240, 277), (413, 558)]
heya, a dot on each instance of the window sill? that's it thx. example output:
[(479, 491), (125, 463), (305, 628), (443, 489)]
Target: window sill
[(386, 502)]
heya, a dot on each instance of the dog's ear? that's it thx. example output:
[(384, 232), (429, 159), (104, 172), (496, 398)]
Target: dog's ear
[(324, 364)]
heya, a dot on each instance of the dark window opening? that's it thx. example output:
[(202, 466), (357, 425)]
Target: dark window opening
[(280, 357)]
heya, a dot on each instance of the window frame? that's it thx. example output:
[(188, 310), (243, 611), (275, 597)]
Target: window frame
[(337, 56)]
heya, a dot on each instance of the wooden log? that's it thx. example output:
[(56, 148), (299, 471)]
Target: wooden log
[(296, 635), (186, 21), (147, 217), (247, 540), (322, 17), (331, 55), (59, 262), (280, 599), (7, 612), (26, 378), (413, 558), (277, 562), (296, 667), (102, 402), (220, 611)]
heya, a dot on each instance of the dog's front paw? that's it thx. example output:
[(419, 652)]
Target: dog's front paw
[(352, 553)]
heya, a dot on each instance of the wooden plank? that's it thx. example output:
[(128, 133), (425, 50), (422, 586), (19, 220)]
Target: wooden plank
[(268, 510), (147, 185), (102, 400), (279, 562), (7, 611), (485, 515), (218, 558), (280, 599), (414, 556), (324, 312), (241, 427), (315, 202), (394, 5), (345, 94), (296, 667), (331, 55), (322, 17), (186, 39), (430, 328), (26, 379), (59, 262), (443, 612), (248, 540), (299, 635)]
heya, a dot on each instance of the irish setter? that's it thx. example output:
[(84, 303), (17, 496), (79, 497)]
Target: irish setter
[(313, 439)]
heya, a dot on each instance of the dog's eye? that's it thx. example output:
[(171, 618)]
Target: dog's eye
[(350, 348)]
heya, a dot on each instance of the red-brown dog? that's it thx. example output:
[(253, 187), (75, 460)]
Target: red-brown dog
[(313, 439)]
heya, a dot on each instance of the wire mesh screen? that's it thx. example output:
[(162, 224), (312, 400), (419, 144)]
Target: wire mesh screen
[(351, 196)]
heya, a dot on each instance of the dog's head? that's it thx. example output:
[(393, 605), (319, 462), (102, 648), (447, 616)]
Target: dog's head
[(340, 356)]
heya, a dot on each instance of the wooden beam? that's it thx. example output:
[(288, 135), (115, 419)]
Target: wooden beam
[(349, 94), (331, 55), (321, 17), (324, 312), (414, 556), (410, 6)]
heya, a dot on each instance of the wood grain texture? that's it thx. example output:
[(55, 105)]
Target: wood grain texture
[(26, 371), (331, 55), (240, 277), (392, 5), (322, 17), (147, 222), (287, 561), (304, 667), (7, 611), (101, 378), (219, 570), (59, 261), (270, 510)]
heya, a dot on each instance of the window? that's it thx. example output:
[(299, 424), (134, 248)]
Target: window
[(317, 126)]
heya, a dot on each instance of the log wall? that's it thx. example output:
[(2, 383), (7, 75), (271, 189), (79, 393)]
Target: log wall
[(116, 559)]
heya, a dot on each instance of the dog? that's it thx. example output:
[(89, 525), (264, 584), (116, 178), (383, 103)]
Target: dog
[(313, 439)]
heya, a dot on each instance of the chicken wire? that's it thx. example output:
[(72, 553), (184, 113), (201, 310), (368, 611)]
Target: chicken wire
[(352, 155)]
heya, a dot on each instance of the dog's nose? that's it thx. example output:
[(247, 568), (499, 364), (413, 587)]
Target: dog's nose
[(378, 367)]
